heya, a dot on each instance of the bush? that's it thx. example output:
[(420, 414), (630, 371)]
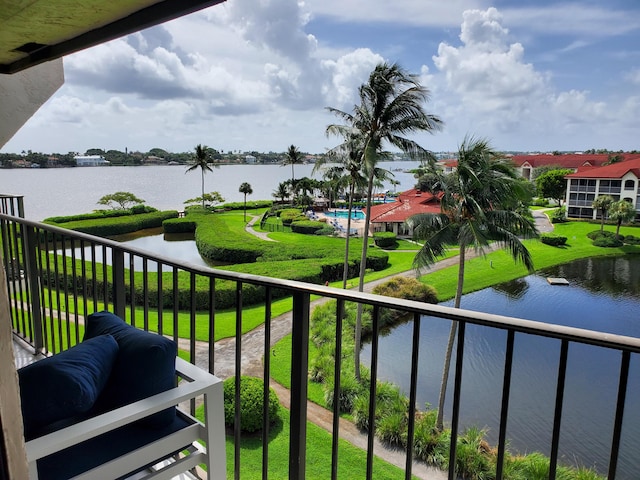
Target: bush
[(289, 215), (406, 288), (559, 215), (553, 239), (107, 226), (608, 242), (384, 239), (307, 227), (541, 202), (632, 240), (251, 396)]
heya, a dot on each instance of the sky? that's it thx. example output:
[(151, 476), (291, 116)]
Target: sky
[(257, 75)]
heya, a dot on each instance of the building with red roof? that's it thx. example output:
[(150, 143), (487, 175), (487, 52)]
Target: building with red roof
[(391, 217), (525, 164), (621, 180)]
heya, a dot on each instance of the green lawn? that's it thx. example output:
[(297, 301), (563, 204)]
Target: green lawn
[(497, 267)]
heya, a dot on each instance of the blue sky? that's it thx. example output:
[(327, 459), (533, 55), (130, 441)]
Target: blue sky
[(257, 75)]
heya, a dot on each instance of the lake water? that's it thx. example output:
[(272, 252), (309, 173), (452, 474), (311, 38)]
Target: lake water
[(65, 191), (604, 295)]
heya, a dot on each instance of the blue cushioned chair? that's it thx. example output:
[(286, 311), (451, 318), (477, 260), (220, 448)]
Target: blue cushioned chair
[(106, 408)]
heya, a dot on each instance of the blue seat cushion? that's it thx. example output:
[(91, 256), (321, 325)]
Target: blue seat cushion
[(79, 458), (144, 367), (65, 385)]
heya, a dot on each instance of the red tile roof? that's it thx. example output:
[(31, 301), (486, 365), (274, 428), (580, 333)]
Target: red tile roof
[(572, 161), (615, 170), (408, 203)]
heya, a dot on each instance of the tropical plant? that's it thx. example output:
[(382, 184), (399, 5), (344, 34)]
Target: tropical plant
[(201, 160), (292, 157), (120, 200), (602, 203), (391, 106), (472, 214), (281, 192), (245, 188), (621, 212)]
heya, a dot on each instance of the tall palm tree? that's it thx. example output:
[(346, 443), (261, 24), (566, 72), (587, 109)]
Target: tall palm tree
[(292, 157), (201, 161), (247, 190), (602, 203), (391, 106), (473, 213)]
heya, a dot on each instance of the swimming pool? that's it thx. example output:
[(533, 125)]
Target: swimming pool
[(356, 214)]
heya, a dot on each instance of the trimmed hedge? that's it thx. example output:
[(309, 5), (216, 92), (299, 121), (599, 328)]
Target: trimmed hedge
[(100, 214), (103, 227), (384, 239), (179, 225), (553, 239), (307, 227)]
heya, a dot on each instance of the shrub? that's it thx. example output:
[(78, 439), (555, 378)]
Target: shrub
[(251, 396), (559, 215), (632, 240), (326, 230), (108, 226), (541, 202), (553, 239), (307, 227), (289, 215), (608, 242), (406, 288), (384, 239), (349, 391)]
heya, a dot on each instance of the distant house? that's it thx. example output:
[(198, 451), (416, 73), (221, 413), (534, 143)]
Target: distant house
[(250, 159), (391, 217), (525, 164), (90, 160), (153, 160), (620, 180)]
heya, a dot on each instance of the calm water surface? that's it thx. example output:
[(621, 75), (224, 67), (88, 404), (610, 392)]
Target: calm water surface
[(604, 295), (65, 191)]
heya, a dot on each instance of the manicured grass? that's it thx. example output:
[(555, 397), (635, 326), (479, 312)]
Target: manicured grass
[(352, 461), (498, 267)]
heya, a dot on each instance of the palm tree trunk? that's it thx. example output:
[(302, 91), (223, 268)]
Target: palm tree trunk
[(345, 272), (363, 268), (203, 188), (449, 350), (245, 208)]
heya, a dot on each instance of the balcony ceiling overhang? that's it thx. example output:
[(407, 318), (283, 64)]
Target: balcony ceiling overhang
[(36, 31)]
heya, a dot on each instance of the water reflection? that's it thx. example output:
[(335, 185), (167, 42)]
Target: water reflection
[(179, 247), (604, 295)]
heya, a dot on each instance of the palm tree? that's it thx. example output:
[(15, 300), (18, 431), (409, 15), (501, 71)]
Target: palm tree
[(621, 211), (391, 106), (247, 190), (201, 161), (282, 191), (602, 203), (292, 156), (473, 214)]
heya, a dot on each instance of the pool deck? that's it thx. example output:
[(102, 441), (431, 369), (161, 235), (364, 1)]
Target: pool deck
[(357, 224)]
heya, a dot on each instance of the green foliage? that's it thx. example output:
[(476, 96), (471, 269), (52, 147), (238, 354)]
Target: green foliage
[(552, 184), (406, 288), (559, 215), (608, 242), (541, 202), (119, 200), (107, 226), (251, 403), (307, 227), (553, 239), (207, 200), (632, 240), (179, 225), (290, 215), (384, 239), (251, 205)]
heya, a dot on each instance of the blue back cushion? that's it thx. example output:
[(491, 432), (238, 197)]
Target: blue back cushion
[(65, 385), (145, 365)]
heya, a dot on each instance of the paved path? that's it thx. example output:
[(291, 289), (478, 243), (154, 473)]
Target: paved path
[(253, 348)]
